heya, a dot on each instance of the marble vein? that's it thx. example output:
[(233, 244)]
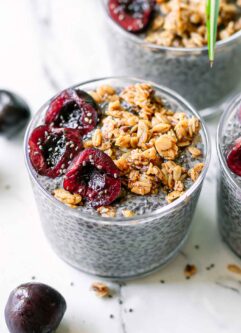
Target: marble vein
[(121, 303)]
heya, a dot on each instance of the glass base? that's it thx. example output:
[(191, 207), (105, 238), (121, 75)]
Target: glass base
[(172, 256)]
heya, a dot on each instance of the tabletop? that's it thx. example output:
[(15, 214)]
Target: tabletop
[(163, 302)]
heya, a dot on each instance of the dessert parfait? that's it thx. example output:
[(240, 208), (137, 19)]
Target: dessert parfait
[(229, 182), (117, 167), (166, 41)]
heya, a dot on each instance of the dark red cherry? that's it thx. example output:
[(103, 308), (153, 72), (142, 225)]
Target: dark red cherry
[(34, 308), (94, 175), (51, 150), (73, 109), (14, 113), (132, 15), (234, 158)]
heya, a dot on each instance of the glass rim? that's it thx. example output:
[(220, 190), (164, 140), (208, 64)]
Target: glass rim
[(221, 156), (195, 50), (162, 211)]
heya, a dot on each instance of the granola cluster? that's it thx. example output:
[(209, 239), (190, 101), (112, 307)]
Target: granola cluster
[(145, 140), (182, 23), (71, 200)]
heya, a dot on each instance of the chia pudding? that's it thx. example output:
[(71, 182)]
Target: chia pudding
[(165, 41), (117, 166), (229, 181)]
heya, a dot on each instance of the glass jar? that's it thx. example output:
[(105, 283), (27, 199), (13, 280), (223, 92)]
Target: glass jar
[(118, 248), (186, 70), (229, 185)]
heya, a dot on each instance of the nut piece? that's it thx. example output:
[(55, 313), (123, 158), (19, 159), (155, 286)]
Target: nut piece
[(173, 196), (142, 132), (190, 270), (71, 200), (195, 171), (100, 289), (194, 151), (96, 96), (234, 268), (166, 146), (161, 128), (128, 213), (97, 138), (107, 211)]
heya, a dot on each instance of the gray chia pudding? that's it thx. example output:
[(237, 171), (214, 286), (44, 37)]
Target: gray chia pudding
[(165, 41), (229, 181), (117, 166)]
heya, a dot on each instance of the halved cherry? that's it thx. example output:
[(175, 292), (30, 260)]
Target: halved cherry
[(52, 149), (94, 175), (234, 158), (73, 109), (132, 15)]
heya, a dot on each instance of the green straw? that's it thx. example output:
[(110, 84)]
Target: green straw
[(212, 11)]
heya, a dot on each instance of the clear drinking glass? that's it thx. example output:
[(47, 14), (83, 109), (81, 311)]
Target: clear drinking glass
[(118, 248), (229, 185), (186, 70)]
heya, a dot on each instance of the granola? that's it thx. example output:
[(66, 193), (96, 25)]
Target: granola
[(234, 268), (158, 150), (145, 139), (101, 289), (71, 200), (128, 213), (107, 211), (182, 23), (190, 270)]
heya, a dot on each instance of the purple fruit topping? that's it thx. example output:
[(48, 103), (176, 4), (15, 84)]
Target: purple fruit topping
[(132, 15), (94, 175), (234, 158), (52, 149), (73, 109)]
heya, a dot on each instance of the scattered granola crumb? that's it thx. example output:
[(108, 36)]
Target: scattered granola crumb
[(101, 289), (190, 270), (234, 268), (107, 211), (71, 200), (128, 213)]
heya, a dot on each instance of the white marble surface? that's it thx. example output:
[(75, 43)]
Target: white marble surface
[(210, 302)]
